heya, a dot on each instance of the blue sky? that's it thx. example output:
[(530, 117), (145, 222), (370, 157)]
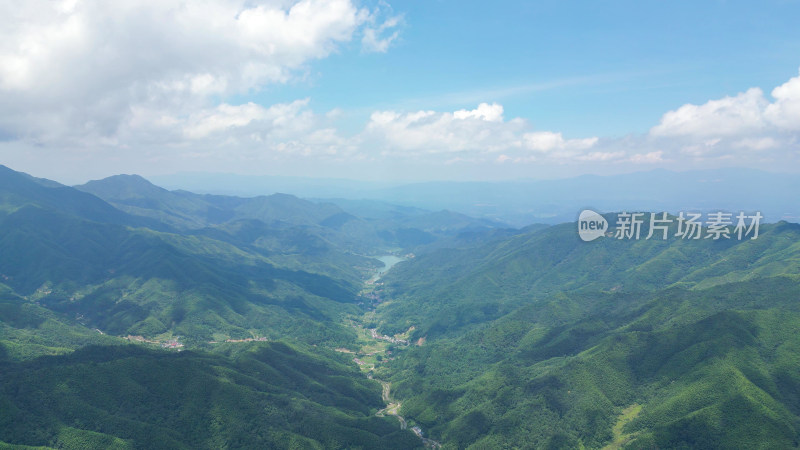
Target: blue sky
[(374, 89), (584, 68)]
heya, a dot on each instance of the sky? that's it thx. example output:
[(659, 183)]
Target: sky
[(397, 90)]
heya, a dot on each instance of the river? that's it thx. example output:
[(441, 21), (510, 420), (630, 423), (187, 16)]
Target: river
[(393, 408)]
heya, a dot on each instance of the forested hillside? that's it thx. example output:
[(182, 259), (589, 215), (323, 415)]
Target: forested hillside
[(272, 396), (136, 317), (548, 341)]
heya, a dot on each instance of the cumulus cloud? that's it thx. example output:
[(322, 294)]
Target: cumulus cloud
[(749, 127), (472, 132), (160, 80), (484, 111), (729, 116), (133, 75), (80, 68), (747, 114), (784, 113), (480, 129), (545, 141)]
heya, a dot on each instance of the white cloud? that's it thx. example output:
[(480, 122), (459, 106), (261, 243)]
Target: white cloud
[(785, 111), (764, 143), (294, 117), (647, 158), (378, 38), (725, 117), (435, 132), (484, 111), (749, 114), (748, 128), (474, 134), (221, 118), (602, 156), (81, 69), (545, 141), (245, 133), (160, 79)]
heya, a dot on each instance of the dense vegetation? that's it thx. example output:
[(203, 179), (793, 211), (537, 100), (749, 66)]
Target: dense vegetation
[(524, 338), (545, 341), (268, 222), (272, 396), (78, 274)]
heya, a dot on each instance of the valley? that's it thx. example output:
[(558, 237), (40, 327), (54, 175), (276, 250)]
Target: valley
[(384, 225), (375, 349), (136, 317)]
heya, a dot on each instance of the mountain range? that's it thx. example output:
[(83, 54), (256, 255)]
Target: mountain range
[(552, 201), (133, 316)]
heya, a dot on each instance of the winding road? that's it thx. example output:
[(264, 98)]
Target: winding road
[(393, 409)]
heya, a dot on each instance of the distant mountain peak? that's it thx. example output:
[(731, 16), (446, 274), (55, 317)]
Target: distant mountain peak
[(283, 196), (126, 179), (121, 186), (130, 178)]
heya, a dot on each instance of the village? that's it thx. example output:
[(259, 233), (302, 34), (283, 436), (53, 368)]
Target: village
[(173, 343), (255, 339)]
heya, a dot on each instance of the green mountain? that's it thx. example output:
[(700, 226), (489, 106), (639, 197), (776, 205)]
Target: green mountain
[(270, 396), (28, 330), (18, 190), (138, 281), (135, 195), (543, 263), (546, 341), (356, 226), (79, 274), (486, 337), (125, 280)]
